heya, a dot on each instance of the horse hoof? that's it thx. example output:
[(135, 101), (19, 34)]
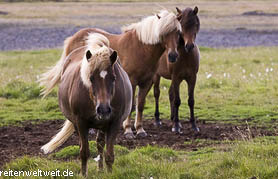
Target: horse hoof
[(91, 131), (177, 130), (158, 123), (196, 129), (141, 135), (129, 135)]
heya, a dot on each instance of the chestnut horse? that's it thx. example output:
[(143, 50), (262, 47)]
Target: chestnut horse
[(94, 92), (139, 47), (185, 68)]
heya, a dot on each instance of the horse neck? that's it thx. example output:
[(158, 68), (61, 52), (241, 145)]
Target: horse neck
[(152, 53)]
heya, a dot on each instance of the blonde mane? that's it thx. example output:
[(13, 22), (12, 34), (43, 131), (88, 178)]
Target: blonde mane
[(151, 29), (98, 45)]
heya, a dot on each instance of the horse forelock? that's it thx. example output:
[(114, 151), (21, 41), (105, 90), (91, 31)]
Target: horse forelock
[(97, 44), (167, 23), (151, 29)]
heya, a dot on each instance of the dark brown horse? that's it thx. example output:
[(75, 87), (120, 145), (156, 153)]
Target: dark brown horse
[(185, 68), (139, 47), (94, 92)]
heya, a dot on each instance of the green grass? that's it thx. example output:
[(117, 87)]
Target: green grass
[(73, 151), (233, 85), (255, 158)]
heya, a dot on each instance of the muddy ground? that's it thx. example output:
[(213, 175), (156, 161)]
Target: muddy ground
[(27, 139)]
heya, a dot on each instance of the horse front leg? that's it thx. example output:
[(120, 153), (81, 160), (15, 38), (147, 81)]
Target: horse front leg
[(191, 81), (156, 92), (127, 123), (111, 135), (100, 148), (84, 147), (142, 93), (174, 95)]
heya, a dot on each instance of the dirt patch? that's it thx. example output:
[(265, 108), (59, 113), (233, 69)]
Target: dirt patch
[(27, 140)]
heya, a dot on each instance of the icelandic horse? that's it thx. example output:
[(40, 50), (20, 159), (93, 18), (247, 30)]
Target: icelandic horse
[(94, 92), (185, 67)]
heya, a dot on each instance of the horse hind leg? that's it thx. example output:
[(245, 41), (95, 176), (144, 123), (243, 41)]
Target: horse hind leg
[(191, 87), (142, 93), (156, 92), (127, 123)]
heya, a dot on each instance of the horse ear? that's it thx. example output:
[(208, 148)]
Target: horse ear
[(158, 16), (195, 11), (113, 57), (88, 55), (179, 17), (178, 10)]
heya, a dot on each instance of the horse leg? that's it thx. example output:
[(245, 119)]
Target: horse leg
[(110, 140), (191, 81), (171, 99), (84, 147), (127, 123), (175, 92), (156, 92), (142, 93), (100, 148)]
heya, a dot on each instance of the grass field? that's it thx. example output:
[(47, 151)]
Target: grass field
[(234, 85)]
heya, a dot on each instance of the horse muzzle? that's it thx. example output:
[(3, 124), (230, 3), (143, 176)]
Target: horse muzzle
[(189, 47), (172, 57), (103, 111)]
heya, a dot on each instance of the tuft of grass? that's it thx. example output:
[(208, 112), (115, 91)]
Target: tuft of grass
[(19, 89), (158, 153)]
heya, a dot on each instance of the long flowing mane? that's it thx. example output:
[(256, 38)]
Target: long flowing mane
[(151, 29), (98, 45)]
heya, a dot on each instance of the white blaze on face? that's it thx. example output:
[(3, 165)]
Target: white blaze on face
[(103, 74)]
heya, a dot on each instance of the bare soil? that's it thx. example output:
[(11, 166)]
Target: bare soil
[(27, 139)]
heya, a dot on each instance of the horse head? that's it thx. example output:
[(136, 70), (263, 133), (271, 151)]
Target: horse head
[(190, 24), (98, 75), (169, 30)]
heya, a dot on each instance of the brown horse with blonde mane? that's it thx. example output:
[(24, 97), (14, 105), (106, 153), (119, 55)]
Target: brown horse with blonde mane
[(94, 92), (139, 47), (185, 68)]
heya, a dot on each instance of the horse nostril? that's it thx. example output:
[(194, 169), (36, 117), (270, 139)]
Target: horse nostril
[(99, 110), (108, 110)]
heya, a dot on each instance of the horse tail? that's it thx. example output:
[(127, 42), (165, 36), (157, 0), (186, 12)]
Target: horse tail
[(59, 138), (52, 77)]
